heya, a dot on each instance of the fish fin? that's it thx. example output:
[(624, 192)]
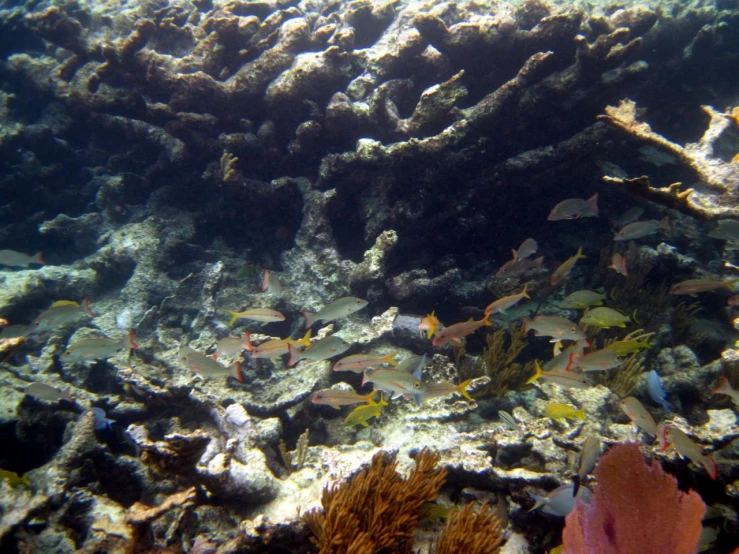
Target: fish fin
[(711, 466), (539, 501), (572, 363), (369, 398), (306, 338), (580, 255), (293, 359), (86, 306), (526, 324), (390, 359), (724, 387), (236, 372), (462, 389), (664, 223), (580, 414), (38, 258), (364, 378), (576, 483), (592, 204), (310, 319), (538, 262), (537, 374), (129, 343), (246, 342)]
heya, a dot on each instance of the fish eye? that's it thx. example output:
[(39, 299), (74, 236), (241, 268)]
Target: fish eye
[(573, 329), (417, 385)]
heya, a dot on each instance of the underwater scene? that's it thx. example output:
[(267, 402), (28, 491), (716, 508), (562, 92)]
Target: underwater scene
[(369, 276)]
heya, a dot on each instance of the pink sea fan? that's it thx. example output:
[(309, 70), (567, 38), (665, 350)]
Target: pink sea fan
[(636, 508)]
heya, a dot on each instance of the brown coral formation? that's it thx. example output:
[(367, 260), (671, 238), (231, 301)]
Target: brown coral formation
[(376, 510)]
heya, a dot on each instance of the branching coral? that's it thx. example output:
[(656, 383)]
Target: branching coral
[(682, 318), (471, 532), (498, 363), (635, 508), (377, 510)]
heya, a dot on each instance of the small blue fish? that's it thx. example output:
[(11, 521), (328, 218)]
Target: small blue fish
[(657, 392), (101, 422)]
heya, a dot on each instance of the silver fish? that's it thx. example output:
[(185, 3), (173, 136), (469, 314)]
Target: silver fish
[(11, 258), (526, 250), (726, 229), (100, 348), (560, 501), (208, 367), (42, 391), (640, 229), (508, 420), (591, 449), (61, 313), (319, 350), (337, 309), (575, 208), (629, 216)]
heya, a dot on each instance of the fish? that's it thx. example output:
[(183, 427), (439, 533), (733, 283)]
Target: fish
[(263, 315), (558, 412), (618, 264), (396, 382), (604, 318), (14, 331), (13, 479), (360, 414), (508, 420), (437, 390), (270, 283), (563, 360), (691, 287), (560, 501), (337, 309), (657, 391), (732, 301), (97, 348), (514, 268), (233, 346), (102, 423), (42, 391), (639, 415), (575, 208), (526, 250), (60, 313), (455, 333), (412, 363), (582, 299), (554, 326), (208, 367), (629, 346), (598, 360), (336, 397), (726, 388), (358, 362), (640, 229), (430, 324), (11, 258), (278, 347), (672, 437), (562, 378), (320, 350), (561, 273), (726, 229), (629, 216), (591, 449), (502, 304)]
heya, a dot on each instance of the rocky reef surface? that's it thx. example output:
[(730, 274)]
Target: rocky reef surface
[(161, 154)]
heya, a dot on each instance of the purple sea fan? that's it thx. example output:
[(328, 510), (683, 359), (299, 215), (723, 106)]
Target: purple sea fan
[(635, 508)]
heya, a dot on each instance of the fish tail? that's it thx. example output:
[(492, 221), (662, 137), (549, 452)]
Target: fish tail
[(580, 255), (580, 414), (711, 466), (265, 280), (370, 398), (662, 436), (538, 262), (86, 306), (236, 372), (664, 223), (234, 317), (537, 374), (515, 253), (539, 502), (592, 203), (526, 324), (390, 359), (382, 401), (486, 320), (572, 363), (462, 389), (306, 339), (732, 284), (524, 293), (310, 319), (38, 258), (129, 342)]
